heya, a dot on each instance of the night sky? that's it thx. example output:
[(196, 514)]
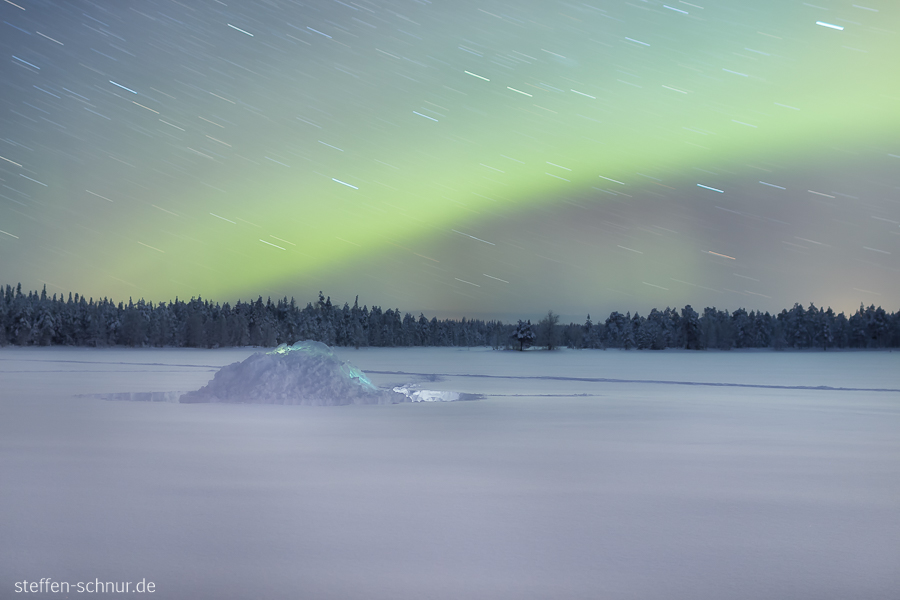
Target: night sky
[(459, 158)]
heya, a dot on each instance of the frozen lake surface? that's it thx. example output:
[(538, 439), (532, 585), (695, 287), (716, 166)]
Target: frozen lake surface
[(580, 474)]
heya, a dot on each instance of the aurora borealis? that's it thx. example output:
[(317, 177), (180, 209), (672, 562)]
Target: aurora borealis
[(459, 158)]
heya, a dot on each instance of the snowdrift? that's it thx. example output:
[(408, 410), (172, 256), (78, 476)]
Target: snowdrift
[(306, 373)]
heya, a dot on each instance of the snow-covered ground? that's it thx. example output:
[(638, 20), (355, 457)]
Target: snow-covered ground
[(580, 474)]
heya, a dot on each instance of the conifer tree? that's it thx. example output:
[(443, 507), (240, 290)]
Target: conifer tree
[(524, 334)]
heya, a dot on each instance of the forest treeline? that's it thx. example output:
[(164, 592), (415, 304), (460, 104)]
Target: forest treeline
[(34, 318)]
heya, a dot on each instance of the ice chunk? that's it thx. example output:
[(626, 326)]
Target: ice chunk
[(427, 395)]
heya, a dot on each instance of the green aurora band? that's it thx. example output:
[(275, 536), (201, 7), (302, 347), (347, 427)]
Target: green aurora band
[(370, 145)]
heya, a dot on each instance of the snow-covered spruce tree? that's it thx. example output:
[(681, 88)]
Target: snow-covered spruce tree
[(690, 322), (134, 329), (651, 335), (654, 331), (629, 330), (825, 328), (778, 341), (524, 334), (879, 327), (588, 334), (709, 327), (4, 310), (498, 335), (423, 331), (615, 328), (741, 326)]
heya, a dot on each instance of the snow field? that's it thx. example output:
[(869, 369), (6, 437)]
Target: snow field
[(546, 488)]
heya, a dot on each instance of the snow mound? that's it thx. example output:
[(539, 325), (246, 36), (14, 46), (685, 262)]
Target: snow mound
[(307, 373)]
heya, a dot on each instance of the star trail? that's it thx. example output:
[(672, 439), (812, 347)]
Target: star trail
[(617, 155)]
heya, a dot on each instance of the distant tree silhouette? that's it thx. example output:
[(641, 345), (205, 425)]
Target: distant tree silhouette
[(36, 318)]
